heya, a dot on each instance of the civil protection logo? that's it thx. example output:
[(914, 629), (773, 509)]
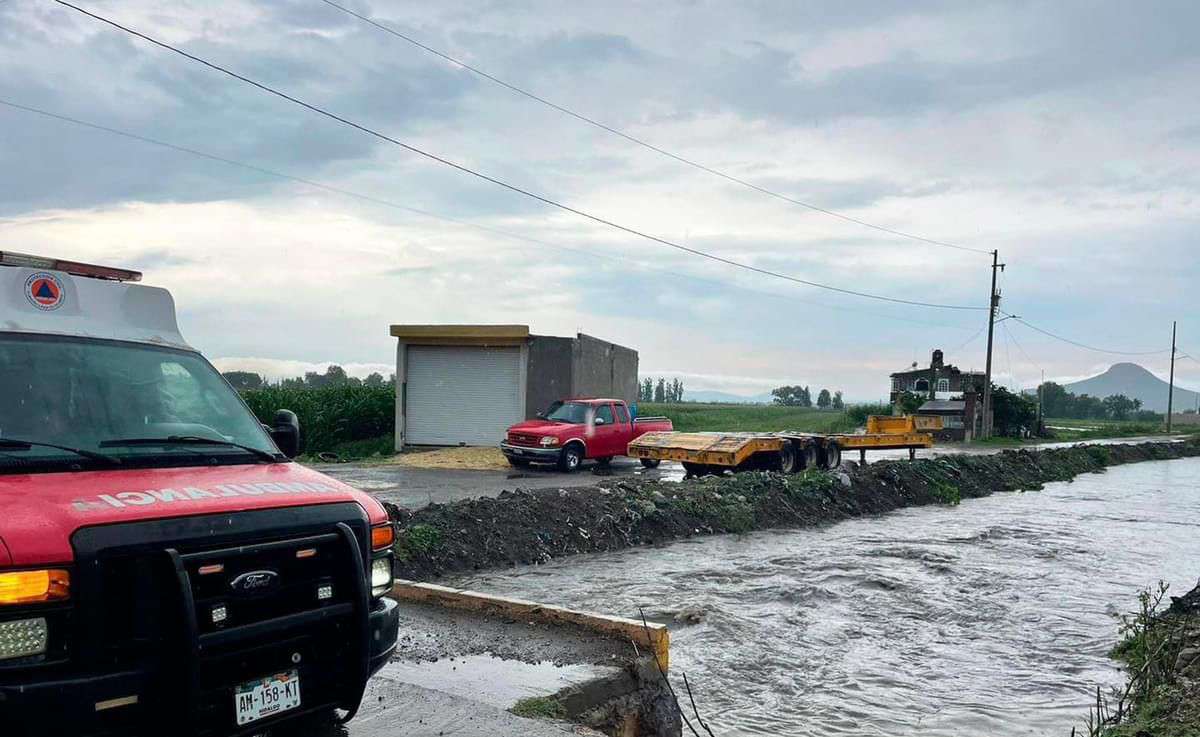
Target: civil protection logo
[(44, 291)]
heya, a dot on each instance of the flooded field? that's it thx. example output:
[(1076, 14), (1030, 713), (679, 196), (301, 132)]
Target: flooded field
[(992, 617)]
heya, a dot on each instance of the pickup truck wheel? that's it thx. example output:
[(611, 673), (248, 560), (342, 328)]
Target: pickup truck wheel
[(650, 462), (571, 459)]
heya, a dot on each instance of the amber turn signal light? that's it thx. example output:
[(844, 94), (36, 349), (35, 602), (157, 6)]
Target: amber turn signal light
[(34, 587), (382, 536)]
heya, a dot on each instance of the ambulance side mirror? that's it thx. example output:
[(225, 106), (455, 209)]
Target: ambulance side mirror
[(286, 432)]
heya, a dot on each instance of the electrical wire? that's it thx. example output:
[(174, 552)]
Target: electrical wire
[(498, 182), (425, 213), (970, 340), (640, 142), (1085, 346)]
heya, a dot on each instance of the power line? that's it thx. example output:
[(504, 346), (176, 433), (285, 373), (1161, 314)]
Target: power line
[(425, 213), (641, 142), (972, 339), (1084, 345), (498, 182)]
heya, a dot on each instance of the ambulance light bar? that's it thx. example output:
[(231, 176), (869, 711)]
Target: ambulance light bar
[(9, 258)]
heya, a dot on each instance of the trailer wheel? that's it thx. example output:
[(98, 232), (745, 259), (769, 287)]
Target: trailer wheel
[(604, 460), (694, 469), (789, 459), (650, 462), (831, 455), (808, 456)]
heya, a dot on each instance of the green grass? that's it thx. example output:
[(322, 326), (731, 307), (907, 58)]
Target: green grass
[(694, 417), (1100, 429), (539, 707)]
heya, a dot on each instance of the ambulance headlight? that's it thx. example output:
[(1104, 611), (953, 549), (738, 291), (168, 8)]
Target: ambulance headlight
[(23, 638), (381, 575)]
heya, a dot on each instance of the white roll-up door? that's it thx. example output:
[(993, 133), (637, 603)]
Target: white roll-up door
[(460, 394)]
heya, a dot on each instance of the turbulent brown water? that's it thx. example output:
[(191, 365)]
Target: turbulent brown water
[(990, 618)]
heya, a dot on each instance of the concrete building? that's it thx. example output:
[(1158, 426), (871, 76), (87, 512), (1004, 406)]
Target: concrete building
[(465, 384)]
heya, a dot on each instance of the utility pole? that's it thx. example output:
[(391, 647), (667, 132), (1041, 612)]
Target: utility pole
[(993, 303), (1171, 386)]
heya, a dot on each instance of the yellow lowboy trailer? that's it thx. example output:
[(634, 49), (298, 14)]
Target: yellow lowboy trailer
[(790, 452)]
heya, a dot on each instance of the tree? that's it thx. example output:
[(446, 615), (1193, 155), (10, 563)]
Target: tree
[(805, 397), (788, 396), (646, 390), (824, 399), (1013, 415), (373, 379), (660, 390), (1118, 407), (837, 402), (241, 380), (910, 402)]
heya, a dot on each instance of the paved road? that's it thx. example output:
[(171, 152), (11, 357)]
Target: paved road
[(417, 487)]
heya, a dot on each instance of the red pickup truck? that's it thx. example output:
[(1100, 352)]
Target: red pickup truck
[(574, 429)]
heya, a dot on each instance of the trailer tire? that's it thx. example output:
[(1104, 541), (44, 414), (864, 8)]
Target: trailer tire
[(650, 462), (808, 456), (789, 458), (831, 456), (571, 458), (604, 460)]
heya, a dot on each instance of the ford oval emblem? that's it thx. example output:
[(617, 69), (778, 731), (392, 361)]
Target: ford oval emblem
[(255, 582)]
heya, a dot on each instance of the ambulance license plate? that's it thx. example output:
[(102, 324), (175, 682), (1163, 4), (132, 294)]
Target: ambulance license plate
[(266, 697)]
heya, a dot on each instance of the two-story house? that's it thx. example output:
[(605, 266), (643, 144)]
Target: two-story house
[(951, 393)]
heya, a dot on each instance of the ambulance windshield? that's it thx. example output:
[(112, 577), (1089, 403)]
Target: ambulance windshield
[(85, 394)]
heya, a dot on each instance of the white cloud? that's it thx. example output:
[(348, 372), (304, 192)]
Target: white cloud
[(996, 126)]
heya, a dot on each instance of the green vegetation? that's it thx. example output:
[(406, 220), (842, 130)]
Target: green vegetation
[(417, 539), (695, 417), (660, 391), (1161, 696), (350, 420), (539, 707), (1059, 402)]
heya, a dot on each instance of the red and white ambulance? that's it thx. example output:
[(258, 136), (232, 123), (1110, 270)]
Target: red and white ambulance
[(165, 568)]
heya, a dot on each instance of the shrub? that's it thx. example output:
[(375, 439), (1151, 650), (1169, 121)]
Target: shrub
[(860, 412)]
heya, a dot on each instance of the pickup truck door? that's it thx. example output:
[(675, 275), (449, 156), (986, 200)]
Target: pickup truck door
[(607, 433)]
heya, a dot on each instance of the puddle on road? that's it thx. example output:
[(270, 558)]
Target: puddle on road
[(492, 680)]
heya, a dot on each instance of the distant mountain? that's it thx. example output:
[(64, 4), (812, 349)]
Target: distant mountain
[(716, 396), (1134, 382)]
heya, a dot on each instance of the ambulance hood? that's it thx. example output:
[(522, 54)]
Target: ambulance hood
[(40, 512)]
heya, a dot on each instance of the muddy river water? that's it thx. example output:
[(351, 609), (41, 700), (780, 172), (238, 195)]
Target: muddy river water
[(990, 618)]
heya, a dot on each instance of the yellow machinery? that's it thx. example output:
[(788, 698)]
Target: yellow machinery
[(789, 452)]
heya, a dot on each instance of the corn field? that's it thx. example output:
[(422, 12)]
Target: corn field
[(331, 417)]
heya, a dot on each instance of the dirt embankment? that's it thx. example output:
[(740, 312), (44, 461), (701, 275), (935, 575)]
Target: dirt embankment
[(1161, 653), (537, 526)]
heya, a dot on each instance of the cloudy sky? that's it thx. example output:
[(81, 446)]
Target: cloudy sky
[(1065, 135)]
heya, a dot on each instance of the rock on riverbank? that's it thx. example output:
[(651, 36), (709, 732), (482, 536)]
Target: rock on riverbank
[(536, 526)]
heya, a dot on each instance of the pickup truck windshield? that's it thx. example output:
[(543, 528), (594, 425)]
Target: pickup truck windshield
[(89, 395), (575, 413)]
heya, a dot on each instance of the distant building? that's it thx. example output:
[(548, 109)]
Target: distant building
[(951, 393), (465, 384)]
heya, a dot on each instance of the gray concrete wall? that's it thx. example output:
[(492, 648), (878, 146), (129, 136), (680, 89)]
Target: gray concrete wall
[(603, 369), (548, 372)]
